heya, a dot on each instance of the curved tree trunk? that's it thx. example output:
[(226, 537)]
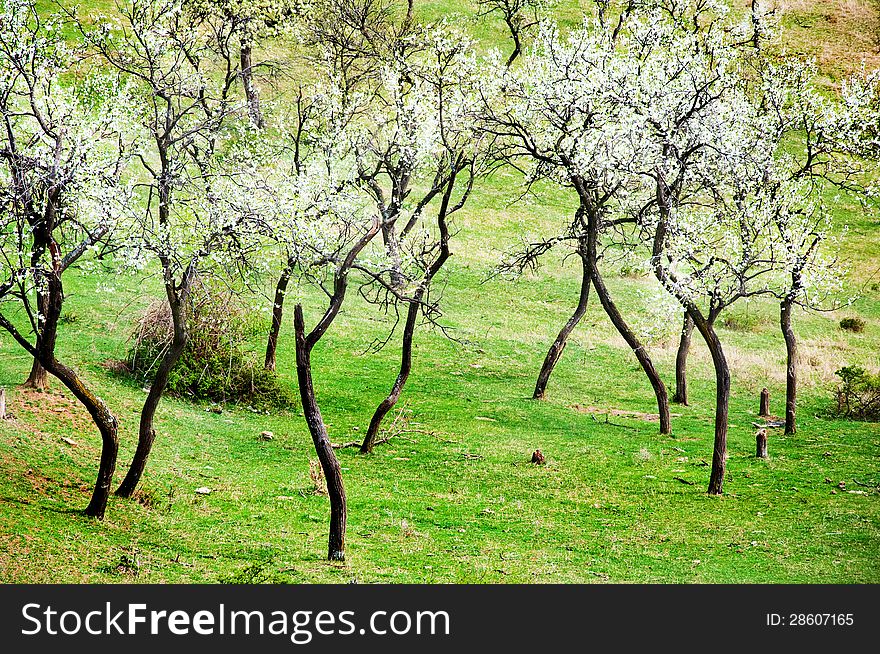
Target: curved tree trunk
[(388, 403), (684, 346), (108, 427), (250, 90), (639, 350), (722, 403), (318, 430), (104, 420), (146, 432), (791, 366), (555, 351), (412, 313), (277, 318)]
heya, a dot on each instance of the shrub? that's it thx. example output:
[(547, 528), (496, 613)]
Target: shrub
[(856, 325), (216, 364), (858, 396)]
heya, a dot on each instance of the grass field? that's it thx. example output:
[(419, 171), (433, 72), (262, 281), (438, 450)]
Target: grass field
[(455, 499)]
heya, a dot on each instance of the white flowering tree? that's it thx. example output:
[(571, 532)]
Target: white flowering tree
[(324, 226), (561, 117), (194, 216), (420, 160), (727, 213), (245, 24), (61, 154)]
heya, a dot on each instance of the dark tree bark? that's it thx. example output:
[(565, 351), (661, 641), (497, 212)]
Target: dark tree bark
[(146, 431), (315, 422), (555, 351), (790, 367), (684, 346), (761, 444), (412, 314), (639, 350), (104, 420), (277, 317), (722, 402), (250, 90), (764, 406), (318, 430), (414, 307), (589, 211), (706, 326)]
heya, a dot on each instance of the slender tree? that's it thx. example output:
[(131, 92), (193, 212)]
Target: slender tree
[(61, 151), (559, 112), (194, 214)]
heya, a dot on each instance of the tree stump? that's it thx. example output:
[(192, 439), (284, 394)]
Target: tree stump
[(2, 404), (765, 403), (538, 457), (761, 444)]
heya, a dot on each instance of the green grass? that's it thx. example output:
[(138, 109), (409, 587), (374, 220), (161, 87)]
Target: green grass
[(455, 499)]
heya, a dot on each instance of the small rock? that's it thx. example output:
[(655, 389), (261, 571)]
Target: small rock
[(266, 435), (203, 490), (69, 441), (538, 458), (827, 480), (842, 485)]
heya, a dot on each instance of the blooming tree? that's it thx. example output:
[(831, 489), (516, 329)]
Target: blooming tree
[(194, 215), (562, 113), (61, 151)]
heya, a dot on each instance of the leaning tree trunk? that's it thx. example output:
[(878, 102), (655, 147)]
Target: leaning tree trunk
[(277, 318), (684, 346), (146, 432), (555, 351), (388, 403), (637, 347), (107, 425), (722, 403), (791, 366), (250, 90), (104, 420), (318, 430)]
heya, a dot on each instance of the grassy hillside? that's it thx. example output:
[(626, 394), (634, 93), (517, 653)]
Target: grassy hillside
[(453, 498)]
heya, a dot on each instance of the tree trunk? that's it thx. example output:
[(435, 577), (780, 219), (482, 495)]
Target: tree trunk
[(38, 379), (146, 432), (104, 420), (412, 316), (318, 430), (790, 367), (250, 90), (639, 350), (722, 403), (761, 444), (277, 318), (555, 351), (108, 428), (764, 406), (388, 403), (684, 346)]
